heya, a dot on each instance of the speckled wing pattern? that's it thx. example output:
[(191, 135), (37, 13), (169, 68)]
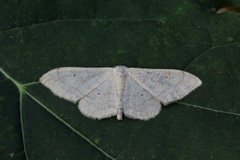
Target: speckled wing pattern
[(96, 92), (93, 88)]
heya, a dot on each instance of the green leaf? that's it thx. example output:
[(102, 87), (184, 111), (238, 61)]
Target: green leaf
[(37, 36)]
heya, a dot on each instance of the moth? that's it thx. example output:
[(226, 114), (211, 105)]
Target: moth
[(137, 93)]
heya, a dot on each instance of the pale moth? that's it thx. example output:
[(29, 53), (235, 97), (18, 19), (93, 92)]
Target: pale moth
[(135, 92)]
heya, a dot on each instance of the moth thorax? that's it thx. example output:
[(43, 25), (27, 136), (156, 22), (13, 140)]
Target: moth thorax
[(120, 74)]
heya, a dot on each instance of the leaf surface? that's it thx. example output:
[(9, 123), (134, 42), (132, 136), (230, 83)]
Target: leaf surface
[(187, 35)]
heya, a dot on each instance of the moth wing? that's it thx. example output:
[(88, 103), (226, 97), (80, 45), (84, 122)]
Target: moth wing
[(73, 83), (165, 84), (101, 101), (138, 102)]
